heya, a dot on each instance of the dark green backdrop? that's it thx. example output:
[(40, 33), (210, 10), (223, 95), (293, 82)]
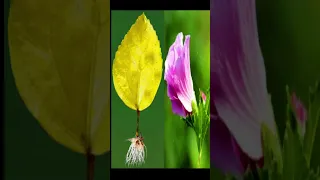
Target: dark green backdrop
[(123, 119), (30, 154), (290, 43)]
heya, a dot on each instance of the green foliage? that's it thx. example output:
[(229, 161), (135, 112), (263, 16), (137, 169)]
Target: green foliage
[(202, 119), (312, 122), (200, 122), (291, 160)]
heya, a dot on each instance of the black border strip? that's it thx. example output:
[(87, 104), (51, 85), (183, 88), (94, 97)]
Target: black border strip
[(148, 174), (159, 5)]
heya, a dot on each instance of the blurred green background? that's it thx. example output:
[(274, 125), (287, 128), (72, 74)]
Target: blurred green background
[(123, 119), (290, 43), (30, 154), (180, 141)]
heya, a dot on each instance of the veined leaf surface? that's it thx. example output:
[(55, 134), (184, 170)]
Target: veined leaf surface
[(60, 58), (137, 68)]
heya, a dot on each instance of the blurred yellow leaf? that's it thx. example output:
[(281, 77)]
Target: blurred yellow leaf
[(137, 68), (60, 60)]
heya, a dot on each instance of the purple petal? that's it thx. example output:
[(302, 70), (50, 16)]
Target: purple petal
[(171, 57), (223, 150), (238, 80), (177, 108), (185, 91), (178, 74), (172, 92), (226, 154)]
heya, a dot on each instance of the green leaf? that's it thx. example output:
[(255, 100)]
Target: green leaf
[(274, 171), (201, 122), (294, 162), (189, 120), (61, 65), (312, 122), (272, 150), (202, 118), (313, 175)]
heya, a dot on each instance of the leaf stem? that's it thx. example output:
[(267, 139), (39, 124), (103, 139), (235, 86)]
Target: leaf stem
[(138, 121), (90, 165)]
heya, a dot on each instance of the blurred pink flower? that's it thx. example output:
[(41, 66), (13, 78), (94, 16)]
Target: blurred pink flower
[(299, 110), (239, 99)]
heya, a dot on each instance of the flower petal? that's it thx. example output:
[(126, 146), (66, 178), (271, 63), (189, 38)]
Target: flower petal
[(203, 96), (171, 57), (171, 92), (187, 66), (222, 147), (178, 108), (178, 73), (179, 40), (238, 80), (299, 109)]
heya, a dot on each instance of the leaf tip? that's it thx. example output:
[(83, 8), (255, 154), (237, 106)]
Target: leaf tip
[(143, 18)]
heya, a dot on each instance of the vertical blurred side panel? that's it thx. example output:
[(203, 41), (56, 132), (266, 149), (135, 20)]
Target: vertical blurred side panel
[(57, 89)]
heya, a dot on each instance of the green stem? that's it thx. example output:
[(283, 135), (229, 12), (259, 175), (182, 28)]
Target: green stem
[(199, 143), (199, 158)]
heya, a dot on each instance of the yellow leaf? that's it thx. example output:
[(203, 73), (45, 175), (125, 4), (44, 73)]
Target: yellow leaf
[(60, 59), (137, 67)]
